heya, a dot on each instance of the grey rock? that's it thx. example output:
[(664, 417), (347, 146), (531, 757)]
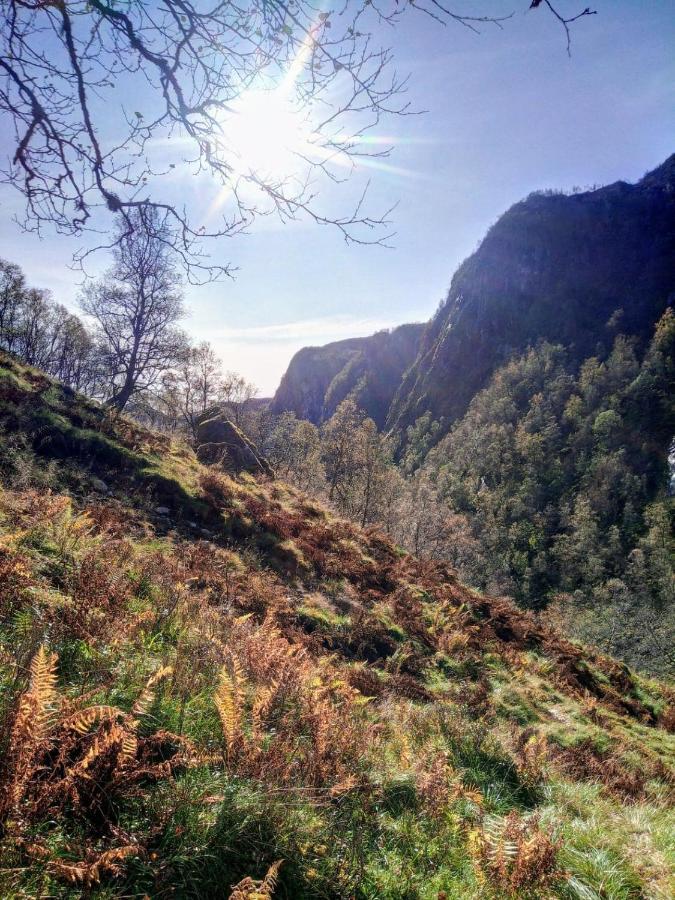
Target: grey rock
[(99, 485), (219, 441), (162, 510)]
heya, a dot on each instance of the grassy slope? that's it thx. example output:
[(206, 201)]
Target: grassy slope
[(322, 698)]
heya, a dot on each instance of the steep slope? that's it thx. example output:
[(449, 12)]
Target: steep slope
[(319, 378), (561, 478), (569, 269), (206, 679)]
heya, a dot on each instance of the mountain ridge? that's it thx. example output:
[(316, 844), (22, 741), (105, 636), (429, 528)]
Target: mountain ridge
[(319, 378), (570, 268)]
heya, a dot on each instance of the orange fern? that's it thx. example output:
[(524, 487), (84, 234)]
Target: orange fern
[(252, 889)]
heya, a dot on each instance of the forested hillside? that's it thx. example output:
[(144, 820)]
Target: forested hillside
[(529, 442), (571, 269), (562, 476), (213, 686)]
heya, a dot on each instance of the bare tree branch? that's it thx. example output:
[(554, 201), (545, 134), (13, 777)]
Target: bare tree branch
[(111, 102), (565, 21)]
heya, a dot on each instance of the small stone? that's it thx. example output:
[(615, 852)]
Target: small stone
[(100, 486), (192, 525), (162, 510)]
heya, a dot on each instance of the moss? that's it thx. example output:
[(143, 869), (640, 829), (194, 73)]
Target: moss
[(512, 705), (313, 613), (580, 734), (383, 614)]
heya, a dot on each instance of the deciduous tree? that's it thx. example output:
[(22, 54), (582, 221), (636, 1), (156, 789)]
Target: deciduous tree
[(136, 307), (93, 92)]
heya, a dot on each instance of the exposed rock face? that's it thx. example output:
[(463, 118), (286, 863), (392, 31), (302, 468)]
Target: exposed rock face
[(572, 270), (319, 378), (220, 441)]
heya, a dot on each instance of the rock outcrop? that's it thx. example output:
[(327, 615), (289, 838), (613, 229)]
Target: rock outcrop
[(220, 441), (570, 269), (369, 368)]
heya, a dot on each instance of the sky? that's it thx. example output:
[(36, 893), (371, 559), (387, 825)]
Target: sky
[(506, 112)]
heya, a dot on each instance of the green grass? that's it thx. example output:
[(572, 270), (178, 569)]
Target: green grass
[(428, 775)]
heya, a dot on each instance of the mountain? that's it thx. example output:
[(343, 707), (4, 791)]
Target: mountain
[(571, 269), (212, 684), (319, 378)]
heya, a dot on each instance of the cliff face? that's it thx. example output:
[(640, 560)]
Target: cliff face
[(575, 270), (319, 378), (569, 269)]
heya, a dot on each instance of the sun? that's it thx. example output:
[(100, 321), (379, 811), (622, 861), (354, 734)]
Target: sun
[(267, 135)]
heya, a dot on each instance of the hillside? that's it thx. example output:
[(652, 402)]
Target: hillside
[(575, 270), (319, 378), (210, 682), (563, 477)]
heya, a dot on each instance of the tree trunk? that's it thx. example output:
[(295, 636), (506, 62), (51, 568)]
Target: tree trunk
[(120, 399)]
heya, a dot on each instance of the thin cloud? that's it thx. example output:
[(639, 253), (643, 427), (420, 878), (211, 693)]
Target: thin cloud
[(322, 329)]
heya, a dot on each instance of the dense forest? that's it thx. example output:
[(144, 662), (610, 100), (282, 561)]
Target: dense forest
[(562, 475)]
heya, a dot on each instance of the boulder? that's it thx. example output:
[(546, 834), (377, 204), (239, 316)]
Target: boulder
[(219, 441)]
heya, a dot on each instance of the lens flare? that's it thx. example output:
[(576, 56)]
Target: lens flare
[(267, 135)]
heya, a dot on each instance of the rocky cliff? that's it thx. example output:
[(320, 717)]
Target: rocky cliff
[(573, 269), (319, 378)]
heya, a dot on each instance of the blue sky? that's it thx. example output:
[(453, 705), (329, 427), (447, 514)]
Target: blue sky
[(507, 112)]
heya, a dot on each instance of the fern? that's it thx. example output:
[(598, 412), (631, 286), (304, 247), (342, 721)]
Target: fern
[(252, 889), (83, 720), (228, 703), (147, 695), (110, 741), (33, 719), (262, 706), (88, 873), (269, 882)]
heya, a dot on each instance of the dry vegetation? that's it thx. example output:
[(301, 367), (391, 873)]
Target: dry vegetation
[(250, 697)]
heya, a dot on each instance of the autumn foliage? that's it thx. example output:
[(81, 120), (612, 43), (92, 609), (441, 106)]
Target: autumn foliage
[(259, 698)]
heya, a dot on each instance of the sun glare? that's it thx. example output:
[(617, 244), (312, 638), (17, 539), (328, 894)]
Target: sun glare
[(267, 135)]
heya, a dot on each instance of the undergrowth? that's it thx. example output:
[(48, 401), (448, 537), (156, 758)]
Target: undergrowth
[(286, 705)]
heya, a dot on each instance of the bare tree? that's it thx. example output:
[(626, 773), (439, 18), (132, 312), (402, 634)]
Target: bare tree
[(340, 451), (44, 333), (293, 447), (565, 21), (94, 91), (194, 387), (12, 290), (136, 307), (32, 343), (237, 394)]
